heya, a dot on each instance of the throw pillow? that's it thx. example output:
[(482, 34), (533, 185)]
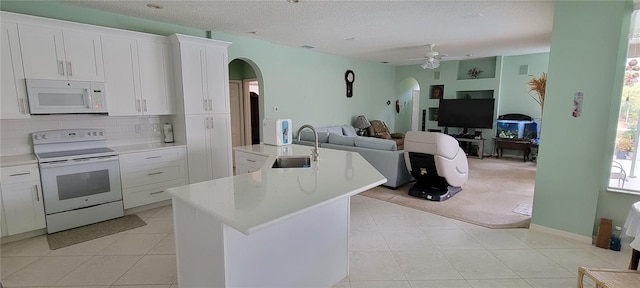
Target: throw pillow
[(348, 130), (383, 135)]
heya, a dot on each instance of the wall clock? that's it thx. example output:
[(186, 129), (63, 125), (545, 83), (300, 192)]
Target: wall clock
[(349, 77)]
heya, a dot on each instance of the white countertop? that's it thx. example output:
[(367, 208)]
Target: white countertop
[(124, 149), (15, 160), (249, 202)]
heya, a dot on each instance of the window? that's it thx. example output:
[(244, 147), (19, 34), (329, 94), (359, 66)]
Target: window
[(624, 165)]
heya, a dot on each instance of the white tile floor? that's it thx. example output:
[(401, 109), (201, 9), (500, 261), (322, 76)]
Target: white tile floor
[(390, 246)]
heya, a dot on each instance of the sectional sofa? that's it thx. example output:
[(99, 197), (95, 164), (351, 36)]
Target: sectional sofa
[(381, 153)]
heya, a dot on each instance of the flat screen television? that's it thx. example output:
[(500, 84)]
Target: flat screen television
[(466, 113)]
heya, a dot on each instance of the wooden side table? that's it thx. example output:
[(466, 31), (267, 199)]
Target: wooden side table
[(609, 278)]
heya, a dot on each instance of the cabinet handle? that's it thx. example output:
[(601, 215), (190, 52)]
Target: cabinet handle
[(155, 173), (153, 157), (35, 190), (210, 105), (144, 104), (69, 71), (250, 160), (61, 67), (21, 174), (204, 104), (138, 105), (153, 193), (206, 122), (211, 120)]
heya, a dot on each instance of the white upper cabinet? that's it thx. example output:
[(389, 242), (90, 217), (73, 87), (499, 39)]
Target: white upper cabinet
[(203, 71), (138, 75), (121, 75), (13, 100), (51, 53), (156, 76)]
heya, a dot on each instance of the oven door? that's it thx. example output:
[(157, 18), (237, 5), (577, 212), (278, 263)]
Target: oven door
[(78, 183)]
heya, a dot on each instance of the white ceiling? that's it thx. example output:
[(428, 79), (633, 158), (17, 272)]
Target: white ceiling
[(379, 31)]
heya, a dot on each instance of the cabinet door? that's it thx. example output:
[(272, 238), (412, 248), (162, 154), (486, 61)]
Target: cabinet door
[(193, 69), (3, 222), (23, 207), (155, 77), (42, 52), (217, 79), (83, 54), (122, 77), (13, 100), (220, 145), (198, 149)]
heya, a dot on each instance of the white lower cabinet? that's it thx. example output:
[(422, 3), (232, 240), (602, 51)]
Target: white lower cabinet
[(209, 146), (248, 162), (22, 202), (146, 175)]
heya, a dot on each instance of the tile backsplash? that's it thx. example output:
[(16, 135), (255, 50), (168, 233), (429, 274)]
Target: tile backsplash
[(15, 135)]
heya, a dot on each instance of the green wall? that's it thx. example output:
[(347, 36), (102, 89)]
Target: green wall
[(515, 96), (309, 87), (575, 153)]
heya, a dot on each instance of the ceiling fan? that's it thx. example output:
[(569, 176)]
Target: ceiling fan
[(431, 58)]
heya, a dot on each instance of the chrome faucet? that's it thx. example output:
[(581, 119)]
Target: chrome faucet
[(314, 151)]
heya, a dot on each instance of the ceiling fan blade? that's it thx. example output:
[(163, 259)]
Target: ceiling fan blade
[(418, 59)]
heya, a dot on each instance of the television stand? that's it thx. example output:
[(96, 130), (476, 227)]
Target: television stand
[(514, 144), (465, 144)]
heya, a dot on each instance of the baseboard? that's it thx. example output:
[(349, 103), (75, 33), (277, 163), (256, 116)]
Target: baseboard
[(22, 236), (561, 233), (139, 209)]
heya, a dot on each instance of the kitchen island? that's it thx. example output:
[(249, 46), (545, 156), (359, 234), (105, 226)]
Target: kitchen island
[(277, 227)]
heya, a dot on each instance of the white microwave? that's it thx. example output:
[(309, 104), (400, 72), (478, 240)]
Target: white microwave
[(66, 97)]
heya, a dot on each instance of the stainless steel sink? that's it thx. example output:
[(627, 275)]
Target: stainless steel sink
[(292, 162)]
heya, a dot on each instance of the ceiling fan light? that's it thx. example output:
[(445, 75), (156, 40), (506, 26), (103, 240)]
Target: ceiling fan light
[(431, 63)]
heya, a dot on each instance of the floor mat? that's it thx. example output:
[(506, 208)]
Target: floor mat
[(93, 231)]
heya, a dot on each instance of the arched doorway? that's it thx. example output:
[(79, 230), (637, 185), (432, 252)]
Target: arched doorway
[(408, 116), (246, 102)]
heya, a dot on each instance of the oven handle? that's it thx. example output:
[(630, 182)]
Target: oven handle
[(75, 162)]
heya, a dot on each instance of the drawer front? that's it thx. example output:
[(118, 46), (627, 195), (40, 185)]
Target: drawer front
[(250, 160), (243, 169), (22, 173), (152, 157), (133, 178), (147, 194)]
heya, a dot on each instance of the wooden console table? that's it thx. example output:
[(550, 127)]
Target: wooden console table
[(514, 144), (479, 142)]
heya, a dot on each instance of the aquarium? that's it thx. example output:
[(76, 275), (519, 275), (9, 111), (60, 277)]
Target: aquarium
[(517, 129)]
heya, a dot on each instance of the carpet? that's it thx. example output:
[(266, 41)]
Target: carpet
[(496, 187), (93, 231)]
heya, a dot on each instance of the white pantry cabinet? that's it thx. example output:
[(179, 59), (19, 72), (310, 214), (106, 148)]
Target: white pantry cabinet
[(13, 100), (209, 151), (201, 72), (146, 175), (53, 53), (22, 198), (138, 75)]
